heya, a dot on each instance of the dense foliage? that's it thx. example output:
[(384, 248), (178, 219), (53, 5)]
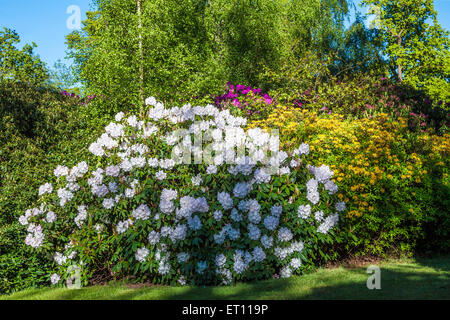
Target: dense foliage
[(19, 65), (176, 50), (39, 128), (392, 167), (419, 52)]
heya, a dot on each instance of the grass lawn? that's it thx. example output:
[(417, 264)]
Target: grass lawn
[(400, 279)]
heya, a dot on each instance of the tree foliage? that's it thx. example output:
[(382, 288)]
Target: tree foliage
[(62, 77), (418, 51), (19, 65), (193, 47)]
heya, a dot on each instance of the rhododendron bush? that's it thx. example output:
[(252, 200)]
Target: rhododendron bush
[(156, 204)]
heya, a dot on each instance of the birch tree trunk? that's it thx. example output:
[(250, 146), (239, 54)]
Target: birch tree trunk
[(141, 58), (399, 67)]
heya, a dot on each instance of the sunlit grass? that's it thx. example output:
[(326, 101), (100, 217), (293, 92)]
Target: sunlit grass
[(401, 279)]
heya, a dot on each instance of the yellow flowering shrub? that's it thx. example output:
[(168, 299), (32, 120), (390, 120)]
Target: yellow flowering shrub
[(395, 182)]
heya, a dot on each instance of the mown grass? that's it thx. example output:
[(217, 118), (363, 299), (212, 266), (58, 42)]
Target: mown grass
[(400, 279)]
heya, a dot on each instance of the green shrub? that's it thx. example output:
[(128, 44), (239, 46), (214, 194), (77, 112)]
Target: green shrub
[(39, 127), (395, 179), (140, 208), (364, 96)]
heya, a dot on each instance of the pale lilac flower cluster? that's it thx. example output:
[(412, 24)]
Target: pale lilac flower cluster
[(218, 215), (304, 211), (261, 176), (81, 217), (328, 223), (64, 196), (211, 169), (154, 237), (142, 212), (51, 217), (225, 200), (340, 206), (141, 254), (161, 175), (35, 236), (61, 171), (303, 149), (197, 180), (312, 191), (108, 203), (54, 279), (78, 171), (46, 188), (59, 258), (319, 216), (284, 235), (267, 241), (166, 204), (123, 226)]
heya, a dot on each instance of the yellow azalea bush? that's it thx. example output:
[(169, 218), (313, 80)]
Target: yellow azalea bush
[(394, 181)]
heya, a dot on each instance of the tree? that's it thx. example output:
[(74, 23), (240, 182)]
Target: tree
[(19, 65), (174, 49), (62, 77), (418, 51)]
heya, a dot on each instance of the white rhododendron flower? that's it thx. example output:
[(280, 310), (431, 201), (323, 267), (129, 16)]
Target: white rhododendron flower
[(119, 116), (284, 235), (46, 188), (161, 175), (61, 171), (304, 211), (141, 254), (197, 180), (54, 279), (51, 217), (303, 149), (329, 223), (112, 171), (142, 212)]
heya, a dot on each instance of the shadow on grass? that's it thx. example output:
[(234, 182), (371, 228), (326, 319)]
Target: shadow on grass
[(428, 279), (425, 279)]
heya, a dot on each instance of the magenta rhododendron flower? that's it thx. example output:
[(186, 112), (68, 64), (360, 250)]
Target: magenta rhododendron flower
[(242, 96)]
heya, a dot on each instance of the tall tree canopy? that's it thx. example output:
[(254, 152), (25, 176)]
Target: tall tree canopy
[(417, 46), (19, 65), (133, 48)]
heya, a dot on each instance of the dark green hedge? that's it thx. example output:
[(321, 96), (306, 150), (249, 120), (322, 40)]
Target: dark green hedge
[(39, 129)]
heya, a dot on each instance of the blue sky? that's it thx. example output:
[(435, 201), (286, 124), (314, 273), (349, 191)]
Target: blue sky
[(44, 22), (41, 21)]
